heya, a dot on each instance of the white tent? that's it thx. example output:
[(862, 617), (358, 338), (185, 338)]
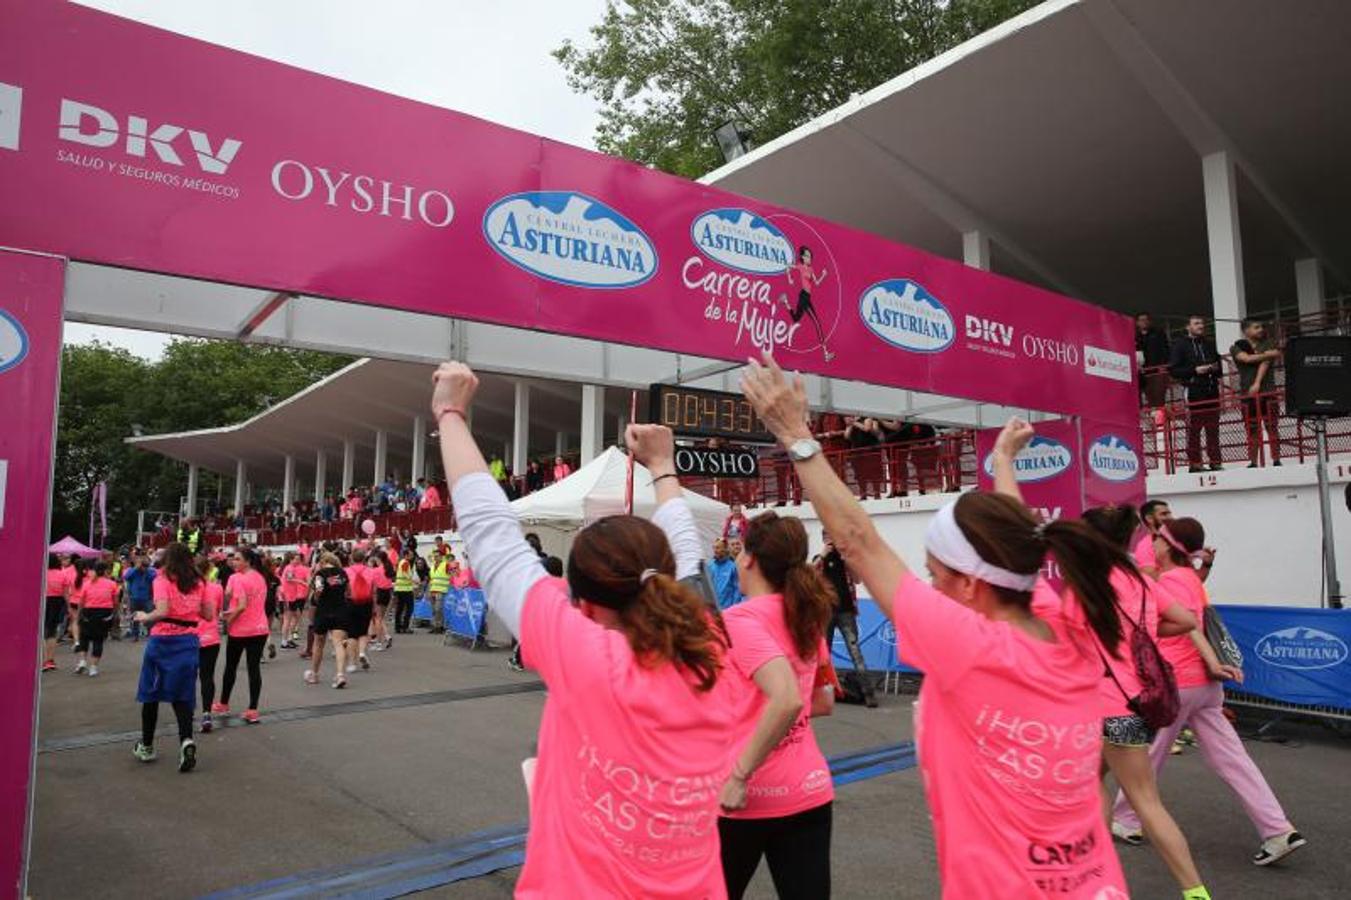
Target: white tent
[(597, 489)]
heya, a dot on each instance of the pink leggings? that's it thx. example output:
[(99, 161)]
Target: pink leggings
[(1223, 751)]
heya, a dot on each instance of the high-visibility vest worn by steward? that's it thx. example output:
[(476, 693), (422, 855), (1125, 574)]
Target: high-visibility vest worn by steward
[(403, 577), (191, 538), (439, 582)]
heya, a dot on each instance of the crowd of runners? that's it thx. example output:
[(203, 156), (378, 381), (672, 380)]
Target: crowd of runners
[(676, 748)]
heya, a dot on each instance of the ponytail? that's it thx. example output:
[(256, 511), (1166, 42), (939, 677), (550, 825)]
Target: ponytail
[(779, 547), (669, 621), (1087, 560)]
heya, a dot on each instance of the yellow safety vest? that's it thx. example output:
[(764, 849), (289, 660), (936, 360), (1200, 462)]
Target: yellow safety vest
[(403, 577), (440, 580)]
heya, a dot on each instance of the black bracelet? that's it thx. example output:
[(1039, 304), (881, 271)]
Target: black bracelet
[(667, 475)]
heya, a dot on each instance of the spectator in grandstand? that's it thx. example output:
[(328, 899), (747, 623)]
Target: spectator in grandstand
[(534, 477), (431, 498), (190, 533), (1151, 353), (722, 572), (864, 436), (561, 468), (734, 526), (1256, 356), (497, 468), (1195, 364), (845, 614)]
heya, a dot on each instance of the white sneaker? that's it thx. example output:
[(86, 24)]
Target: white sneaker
[(1127, 835), (81, 667), (351, 667), (310, 677), (1278, 847), (93, 671)]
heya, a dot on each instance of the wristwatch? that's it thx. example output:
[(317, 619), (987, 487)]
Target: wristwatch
[(803, 450)]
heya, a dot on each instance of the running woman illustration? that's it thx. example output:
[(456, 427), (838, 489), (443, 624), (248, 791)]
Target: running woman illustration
[(810, 279)]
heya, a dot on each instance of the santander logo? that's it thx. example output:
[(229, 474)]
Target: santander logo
[(741, 240), (905, 315), (1042, 459), (13, 342), (570, 238), (1112, 459)]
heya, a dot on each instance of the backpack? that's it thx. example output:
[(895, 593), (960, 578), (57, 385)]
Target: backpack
[(1158, 702)]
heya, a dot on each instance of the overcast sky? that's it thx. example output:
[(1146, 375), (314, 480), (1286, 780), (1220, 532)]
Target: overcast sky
[(436, 51)]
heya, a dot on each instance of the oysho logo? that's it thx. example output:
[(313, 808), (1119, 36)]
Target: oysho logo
[(1050, 349), (1302, 648), (905, 315), (741, 240), (1111, 458), (570, 238), (1106, 363), (11, 108), (362, 193), (83, 123), (1042, 459), (13, 341)]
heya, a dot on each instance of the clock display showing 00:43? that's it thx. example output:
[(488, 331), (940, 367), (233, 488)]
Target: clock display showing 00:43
[(694, 412)]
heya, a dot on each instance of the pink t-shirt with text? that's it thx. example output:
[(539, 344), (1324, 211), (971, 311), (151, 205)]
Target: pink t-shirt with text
[(248, 589), (208, 631), (1010, 738), (1184, 586), (184, 606), (99, 593), (631, 760), (1144, 554), (360, 581), (795, 776)]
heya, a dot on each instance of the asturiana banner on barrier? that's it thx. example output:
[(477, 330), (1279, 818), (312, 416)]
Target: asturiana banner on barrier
[(1293, 655), (292, 181)]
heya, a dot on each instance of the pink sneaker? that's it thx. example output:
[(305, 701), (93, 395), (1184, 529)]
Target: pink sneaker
[(220, 709), (251, 716)]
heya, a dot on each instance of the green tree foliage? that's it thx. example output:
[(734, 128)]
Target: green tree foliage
[(668, 72), (107, 394)]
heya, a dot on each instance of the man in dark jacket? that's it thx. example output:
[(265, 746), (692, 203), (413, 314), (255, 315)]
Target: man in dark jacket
[(1151, 349), (845, 616), (1195, 364)]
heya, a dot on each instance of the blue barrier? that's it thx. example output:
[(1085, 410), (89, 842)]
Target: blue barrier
[(1293, 655), (464, 610), (876, 638)]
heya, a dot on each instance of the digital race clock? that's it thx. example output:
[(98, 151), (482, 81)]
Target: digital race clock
[(694, 412)]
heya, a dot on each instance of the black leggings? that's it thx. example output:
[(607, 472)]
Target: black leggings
[(206, 674), (150, 718), (403, 610), (797, 847), (236, 648), (94, 625), (52, 614), (804, 308)]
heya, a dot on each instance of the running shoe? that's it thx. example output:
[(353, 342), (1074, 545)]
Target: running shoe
[(93, 671), (1278, 847), (514, 665), (144, 752), (81, 667), (251, 717), (49, 666), (351, 667), (310, 677), (295, 637), (340, 682), (305, 655), (1127, 835), (207, 724), (271, 650), (365, 662), (187, 755), (220, 709)]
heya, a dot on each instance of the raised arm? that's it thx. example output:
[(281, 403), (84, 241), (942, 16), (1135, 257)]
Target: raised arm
[(505, 564), (654, 447), (783, 409), (1008, 445)]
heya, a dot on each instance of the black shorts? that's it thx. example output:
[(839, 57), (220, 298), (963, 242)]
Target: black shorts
[(382, 596), (270, 607), (331, 620), (52, 611), (296, 605), (359, 617)]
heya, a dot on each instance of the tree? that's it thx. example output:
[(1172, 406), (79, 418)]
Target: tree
[(668, 72), (107, 395)]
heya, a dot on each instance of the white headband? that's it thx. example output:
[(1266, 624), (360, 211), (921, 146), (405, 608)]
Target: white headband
[(949, 545)]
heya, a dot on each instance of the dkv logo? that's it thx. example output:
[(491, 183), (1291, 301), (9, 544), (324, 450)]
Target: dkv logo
[(13, 342), (1042, 459), (83, 123), (905, 315), (570, 238), (1112, 459), (741, 240), (1302, 648)]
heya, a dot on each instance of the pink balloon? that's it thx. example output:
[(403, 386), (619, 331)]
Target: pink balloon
[(368, 526)]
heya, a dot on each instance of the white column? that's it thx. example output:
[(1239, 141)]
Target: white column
[(241, 478), (623, 424), (560, 443), (593, 421), (320, 475), (1226, 247), (1309, 286), (419, 448), (349, 460), (976, 250), (194, 475), (381, 456), (520, 431), (288, 483)]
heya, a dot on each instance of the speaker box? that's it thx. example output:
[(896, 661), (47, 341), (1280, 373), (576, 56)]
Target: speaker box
[(1318, 375)]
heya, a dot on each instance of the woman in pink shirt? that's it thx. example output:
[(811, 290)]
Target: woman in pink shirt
[(633, 742), (1180, 549), (78, 577), (54, 609), (246, 625), (98, 600), (777, 803), (382, 571), (208, 639), (561, 468), (1008, 722)]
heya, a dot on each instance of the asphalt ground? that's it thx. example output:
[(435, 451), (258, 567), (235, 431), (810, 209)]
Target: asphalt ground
[(411, 777)]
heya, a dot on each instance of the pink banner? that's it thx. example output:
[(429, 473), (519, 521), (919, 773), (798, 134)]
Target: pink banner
[(1114, 470), (149, 150), (1049, 469), (30, 348)]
